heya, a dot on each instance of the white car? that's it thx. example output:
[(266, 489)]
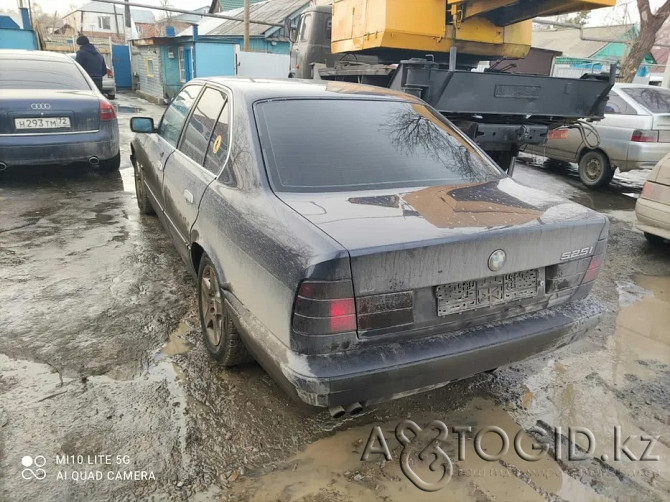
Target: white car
[(653, 207), (635, 134), (108, 82)]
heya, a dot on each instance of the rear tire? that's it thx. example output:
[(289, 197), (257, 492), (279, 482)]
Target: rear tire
[(143, 202), (112, 164), (556, 165), (594, 169), (655, 240), (219, 332)]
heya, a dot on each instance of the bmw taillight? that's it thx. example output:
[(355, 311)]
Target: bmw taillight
[(594, 268), (563, 278), (389, 310), (644, 136), (324, 307), (106, 110)]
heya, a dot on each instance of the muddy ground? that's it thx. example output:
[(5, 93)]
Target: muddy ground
[(102, 369)]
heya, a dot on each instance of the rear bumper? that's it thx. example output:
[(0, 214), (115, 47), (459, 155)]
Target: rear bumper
[(388, 371), (644, 155), (653, 217), (41, 149), (108, 86)]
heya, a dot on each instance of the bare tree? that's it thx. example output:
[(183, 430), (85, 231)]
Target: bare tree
[(167, 4), (44, 21), (650, 23), (580, 18)]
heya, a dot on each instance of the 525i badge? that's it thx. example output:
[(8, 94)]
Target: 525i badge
[(576, 253)]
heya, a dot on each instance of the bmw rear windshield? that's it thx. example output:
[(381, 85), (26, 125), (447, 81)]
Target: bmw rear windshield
[(330, 145), (40, 74)]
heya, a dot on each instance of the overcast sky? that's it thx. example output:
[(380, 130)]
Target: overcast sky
[(625, 10), (64, 6)]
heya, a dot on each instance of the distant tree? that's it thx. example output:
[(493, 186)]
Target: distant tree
[(650, 23), (166, 13), (44, 21), (580, 18)]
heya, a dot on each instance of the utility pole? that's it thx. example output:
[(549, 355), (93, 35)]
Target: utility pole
[(246, 25), (127, 29)]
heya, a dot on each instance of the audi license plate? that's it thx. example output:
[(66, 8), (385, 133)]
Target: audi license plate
[(471, 295), (42, 123)]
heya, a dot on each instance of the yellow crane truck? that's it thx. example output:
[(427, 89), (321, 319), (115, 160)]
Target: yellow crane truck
[(431, 49)]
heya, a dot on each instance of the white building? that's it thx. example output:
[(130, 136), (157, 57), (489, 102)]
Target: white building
[(104, 20)]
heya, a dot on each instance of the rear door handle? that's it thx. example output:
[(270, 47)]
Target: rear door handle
[(188, 196)]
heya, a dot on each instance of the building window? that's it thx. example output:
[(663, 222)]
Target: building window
[(104, 23), (182, 67), (150, 67)]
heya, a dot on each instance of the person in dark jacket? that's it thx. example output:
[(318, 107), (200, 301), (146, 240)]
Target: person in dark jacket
[(91, 60)]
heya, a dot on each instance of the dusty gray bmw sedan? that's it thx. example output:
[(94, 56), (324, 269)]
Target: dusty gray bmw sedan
[(356, 244)]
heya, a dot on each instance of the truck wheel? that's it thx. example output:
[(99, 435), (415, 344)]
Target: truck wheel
[(221, 336), (143, 202), (594, 169)]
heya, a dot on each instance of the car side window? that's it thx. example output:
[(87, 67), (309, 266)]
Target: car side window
[(175, 116), (220, 142), (616, 105), (199, 129)]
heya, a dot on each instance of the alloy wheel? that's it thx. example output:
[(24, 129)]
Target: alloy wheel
[(211, 305)]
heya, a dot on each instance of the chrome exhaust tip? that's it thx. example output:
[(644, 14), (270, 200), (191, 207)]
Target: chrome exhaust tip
[(3, 166), (354, 409), (94, 161), (337, 411)]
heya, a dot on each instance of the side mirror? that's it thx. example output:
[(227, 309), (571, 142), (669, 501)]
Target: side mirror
[(289, 28), (293, 34), (142, 124)]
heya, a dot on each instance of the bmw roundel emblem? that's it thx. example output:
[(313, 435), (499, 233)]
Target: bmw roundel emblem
[(497, 260)]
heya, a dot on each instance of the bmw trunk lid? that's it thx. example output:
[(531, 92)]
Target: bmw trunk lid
[(417, 238), (48, 111)]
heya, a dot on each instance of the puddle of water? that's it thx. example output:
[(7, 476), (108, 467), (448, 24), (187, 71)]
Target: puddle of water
[(623, 384), (128, 109), (642, 331), (46, 415), (176, 343), (332, 469)]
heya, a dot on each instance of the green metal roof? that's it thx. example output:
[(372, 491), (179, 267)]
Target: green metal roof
[(234, 4)]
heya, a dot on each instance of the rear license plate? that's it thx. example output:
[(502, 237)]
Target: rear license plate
[(42, 123), (471, 295)]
